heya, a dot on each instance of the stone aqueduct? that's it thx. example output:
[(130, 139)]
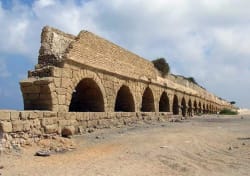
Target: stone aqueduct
[(86, 73)]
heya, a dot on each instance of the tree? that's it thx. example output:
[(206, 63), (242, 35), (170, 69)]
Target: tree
[(191, 79), (162, 66)]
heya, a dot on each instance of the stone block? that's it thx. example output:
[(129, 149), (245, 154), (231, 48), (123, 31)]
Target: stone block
[(17, 126), (24, 115), (48, 121), (79, 116), (27, 82), (4, 115), (71, 116), (57, 82), (6, 127), (35, 123), (26, 125), (83, 124), (61, 91), (48, 114), (86, 116), (44, 96), (105, 123), (92, 123), (73, 122), (61, 115), (67, 73), (63, 123), (57, 72), (43, 81), (111, 115), (31, 89), (61, 99), (35, 115), (44, 89), (66, 82), (32, 96), (68, 131), (63, 108), (51, 129), (92, 116), (14, 115)]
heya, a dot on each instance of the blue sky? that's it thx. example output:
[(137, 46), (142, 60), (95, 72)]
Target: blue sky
[(207, 39)]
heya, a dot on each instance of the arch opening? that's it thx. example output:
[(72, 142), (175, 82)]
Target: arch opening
[(175, 105), (190, 108), (204, 109), (164, 103), (87, 97), (195, 108), (148, 101), (200, 108), (183, 107), (124, 100)]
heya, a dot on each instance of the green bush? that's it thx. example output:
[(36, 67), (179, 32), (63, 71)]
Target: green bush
[(228, 112), (191, 79), (161, 65)]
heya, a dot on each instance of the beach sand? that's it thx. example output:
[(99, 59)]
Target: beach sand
[(201, 146)]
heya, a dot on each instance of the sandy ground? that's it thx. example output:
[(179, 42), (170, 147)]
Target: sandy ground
[(196, 147)]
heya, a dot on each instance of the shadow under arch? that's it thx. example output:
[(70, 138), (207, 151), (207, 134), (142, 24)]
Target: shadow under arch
[(190, 108), (148, 101), (195, 107), (87, 97), (175, 105), (164, 103), (183, 107), (124, 100)]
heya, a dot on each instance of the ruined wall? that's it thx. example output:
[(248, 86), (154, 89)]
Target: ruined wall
[(54, 44), (20, 128), (99, 53)]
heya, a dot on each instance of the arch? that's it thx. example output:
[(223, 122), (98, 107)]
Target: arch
[(195, 107), (164, 103), (207, 109), (204, 109), (200, 108), (87, 97), (124, 100), (175, 105), (148, 101), (190, 108), (183, 107)]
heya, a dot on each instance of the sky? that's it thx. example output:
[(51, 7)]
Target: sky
[(206, 39)]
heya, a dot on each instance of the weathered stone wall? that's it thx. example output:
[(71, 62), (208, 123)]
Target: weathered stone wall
[(19, 128), (54, 44), (99, 53)]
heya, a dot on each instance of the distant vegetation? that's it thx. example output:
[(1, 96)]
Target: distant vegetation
[(191, 79), (228, 112), (162, 66)]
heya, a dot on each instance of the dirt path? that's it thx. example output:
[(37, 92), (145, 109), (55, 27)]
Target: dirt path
[(201, 146)]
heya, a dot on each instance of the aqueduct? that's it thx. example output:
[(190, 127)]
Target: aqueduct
[(84, 82), (86, 73)]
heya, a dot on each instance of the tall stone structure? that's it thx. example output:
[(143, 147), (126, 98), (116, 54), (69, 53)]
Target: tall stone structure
[(85, 82), (86, 73)]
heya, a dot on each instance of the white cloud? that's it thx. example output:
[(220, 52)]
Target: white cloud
[(207, 39), (44, 3), (4, 73)]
